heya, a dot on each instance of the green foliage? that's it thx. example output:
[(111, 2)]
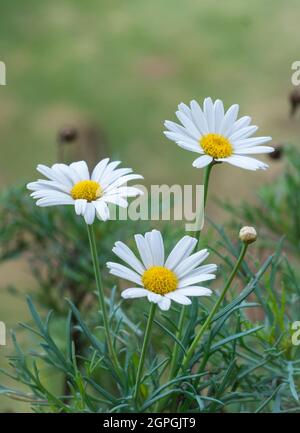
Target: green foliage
[(245, 362), (238, 367), (277, 211)]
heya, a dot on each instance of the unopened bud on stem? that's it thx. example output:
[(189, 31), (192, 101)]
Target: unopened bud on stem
[(248, 235)]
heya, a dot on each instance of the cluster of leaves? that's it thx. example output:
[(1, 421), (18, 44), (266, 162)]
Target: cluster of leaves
[(242, 363)]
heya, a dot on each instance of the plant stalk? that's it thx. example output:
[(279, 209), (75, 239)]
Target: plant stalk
[(101, 297), (207, 322), (144, 349)]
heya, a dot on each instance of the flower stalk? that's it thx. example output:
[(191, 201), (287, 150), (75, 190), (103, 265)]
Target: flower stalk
[(144, 349), (209, 318), (101, 297), (205, 183)]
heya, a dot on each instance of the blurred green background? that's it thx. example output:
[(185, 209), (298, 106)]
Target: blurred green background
[(122, 67)]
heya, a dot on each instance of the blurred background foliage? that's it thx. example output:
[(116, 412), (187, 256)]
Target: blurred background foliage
[(114, 72)]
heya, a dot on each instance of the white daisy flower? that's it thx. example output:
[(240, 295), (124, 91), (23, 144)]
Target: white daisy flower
[(160, 280), (90, 195), (217, 135)]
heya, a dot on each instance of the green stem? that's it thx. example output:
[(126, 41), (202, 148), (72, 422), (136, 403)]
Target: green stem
[(205, 182), (174, 363), (101, 297), (144, 349), (214, 309)]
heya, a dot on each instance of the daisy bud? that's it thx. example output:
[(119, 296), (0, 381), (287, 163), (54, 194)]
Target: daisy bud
[(248, 235)]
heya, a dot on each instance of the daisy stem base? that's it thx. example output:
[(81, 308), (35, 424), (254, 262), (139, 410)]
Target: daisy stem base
[(144, 349), (101, 297), (207, 322)]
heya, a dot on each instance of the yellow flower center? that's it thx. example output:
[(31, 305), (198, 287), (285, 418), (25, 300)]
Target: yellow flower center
[(216, 145), (159, 280), (86, 189)]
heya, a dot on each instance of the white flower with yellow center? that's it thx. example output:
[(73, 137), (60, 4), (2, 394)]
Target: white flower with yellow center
[(217, 135), (90, 195), (160, 280)]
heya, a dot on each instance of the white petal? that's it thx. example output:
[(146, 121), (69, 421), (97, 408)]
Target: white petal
[(53, 193), (108, 171), (120, 181), (199, 118), (190, 281), (243, 133), (219, 114), (186, 110), (179, 129), (182, 249), (134, 292), (80, 206), (179, 298), (153, 297), (245, 162), (127, 191), (99, 169), (252, 141), (164, 304), (116, 199), (228, 120), (48, 184), (184, 141), (209, 112), (194, 291), (48, 201), (254, 150), (53, 174), (81, 169), (101, 209), (68, 171), (144, 251), (241, 123), (124, 272), (89, 213), (191, 262), (202, 161), (204, 269), (125, 253), (194, 148), (63, 171), (157, 247), (188, 124), (119, 172)]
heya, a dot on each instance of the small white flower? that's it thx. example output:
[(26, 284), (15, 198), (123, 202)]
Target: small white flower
[(90, 195), (217, 135), (161, 280)]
